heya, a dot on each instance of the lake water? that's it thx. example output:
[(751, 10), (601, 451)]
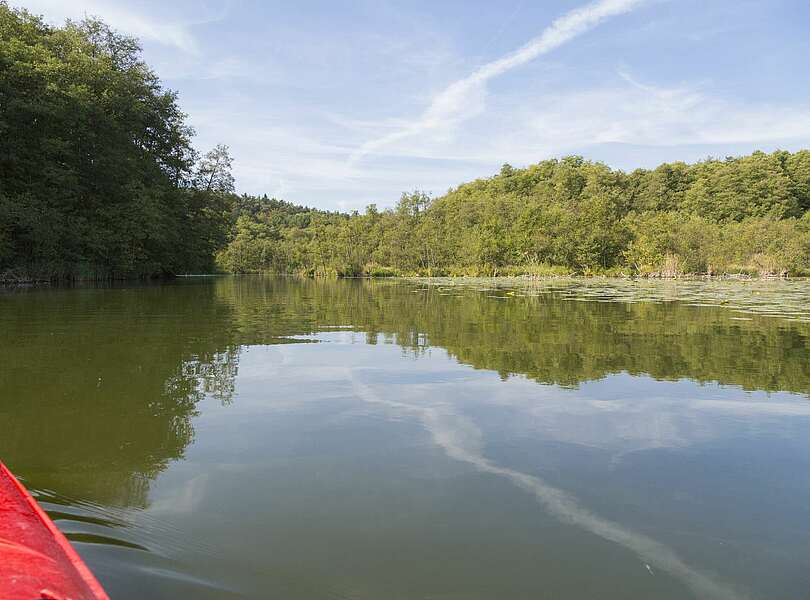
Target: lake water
[(289, 439)]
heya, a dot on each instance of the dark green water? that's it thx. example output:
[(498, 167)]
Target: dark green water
[(276, 438)]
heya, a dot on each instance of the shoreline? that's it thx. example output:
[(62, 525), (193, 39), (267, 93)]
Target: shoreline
[(25, 282)]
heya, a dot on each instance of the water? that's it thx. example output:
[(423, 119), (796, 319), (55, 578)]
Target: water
[(276, 438)]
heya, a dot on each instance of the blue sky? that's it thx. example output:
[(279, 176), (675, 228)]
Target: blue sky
[(341, 104)]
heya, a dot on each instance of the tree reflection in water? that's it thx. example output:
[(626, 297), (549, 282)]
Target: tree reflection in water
[(100, 386)]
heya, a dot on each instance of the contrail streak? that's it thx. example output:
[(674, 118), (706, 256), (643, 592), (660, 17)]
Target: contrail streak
[(457, 102)]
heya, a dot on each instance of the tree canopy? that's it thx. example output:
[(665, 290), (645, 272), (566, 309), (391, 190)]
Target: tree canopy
[(97, 171), (569, 215)]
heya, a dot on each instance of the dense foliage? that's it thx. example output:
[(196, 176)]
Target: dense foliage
[(97, 174), (745, 214)]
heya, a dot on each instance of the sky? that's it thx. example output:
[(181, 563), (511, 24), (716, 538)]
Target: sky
[(339, 104)]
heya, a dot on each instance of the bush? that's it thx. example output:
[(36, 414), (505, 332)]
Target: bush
[(374, 270)]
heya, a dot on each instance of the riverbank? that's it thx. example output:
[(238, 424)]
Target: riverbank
[(505, 274), (546, 272)]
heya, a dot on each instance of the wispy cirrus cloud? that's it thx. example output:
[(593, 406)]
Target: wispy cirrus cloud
[(652, 115), (464, 98), (622, 111), (163, 29)]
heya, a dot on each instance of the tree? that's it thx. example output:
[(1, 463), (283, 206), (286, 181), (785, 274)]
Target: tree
[(96, 175), (214, 171), (413, 203)]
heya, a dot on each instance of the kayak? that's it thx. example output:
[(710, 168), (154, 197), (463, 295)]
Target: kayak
[(36, 560)]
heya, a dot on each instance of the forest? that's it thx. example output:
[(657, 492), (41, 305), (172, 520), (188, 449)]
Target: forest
[(748, 215), (99, 179)]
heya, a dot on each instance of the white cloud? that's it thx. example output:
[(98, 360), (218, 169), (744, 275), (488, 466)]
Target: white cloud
[(465, 98), (162, 29), (648, 115), (624, 112), (306, 160)]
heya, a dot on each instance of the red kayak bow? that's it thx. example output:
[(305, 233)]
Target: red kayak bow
[(36, 560)]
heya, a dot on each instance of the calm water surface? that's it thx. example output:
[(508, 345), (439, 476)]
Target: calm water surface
[(276, 438)]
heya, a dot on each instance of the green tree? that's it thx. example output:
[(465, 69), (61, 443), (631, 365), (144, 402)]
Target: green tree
[(96, 162)]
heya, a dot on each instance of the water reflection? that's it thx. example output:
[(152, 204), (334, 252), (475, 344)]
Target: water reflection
[(544, 335), (461, 439), (266, 395), (100, 385)]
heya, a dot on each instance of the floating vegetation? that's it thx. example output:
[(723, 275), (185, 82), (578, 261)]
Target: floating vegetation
[(784, 299)]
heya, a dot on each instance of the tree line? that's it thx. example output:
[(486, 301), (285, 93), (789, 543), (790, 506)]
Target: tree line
[(748, 215), (99, 179)]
